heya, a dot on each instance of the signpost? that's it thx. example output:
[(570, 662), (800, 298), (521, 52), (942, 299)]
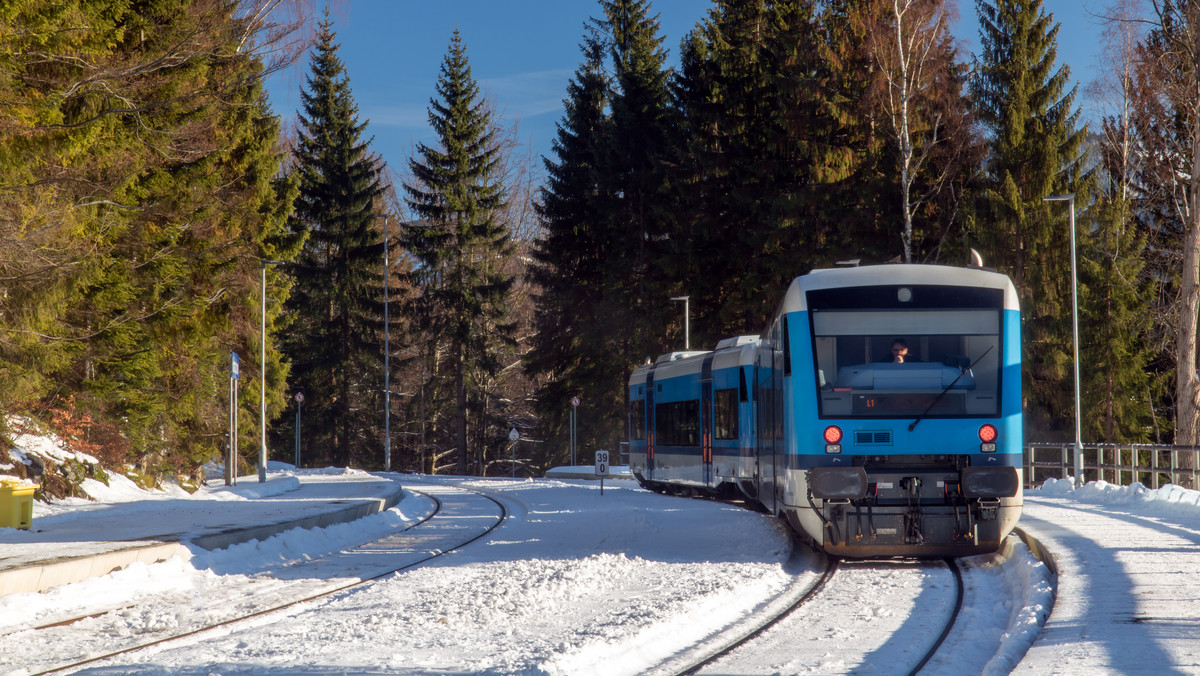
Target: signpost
[(231, 452), (299, 404), (602, 468), (574, 438), (513, 437)]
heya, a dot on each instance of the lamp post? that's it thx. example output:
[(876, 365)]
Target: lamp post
[(1069, 198), (687, 343), (387, 354), (262, 376), (299, 405)]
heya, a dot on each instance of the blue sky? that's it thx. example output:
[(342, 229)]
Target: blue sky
[(523, 52)]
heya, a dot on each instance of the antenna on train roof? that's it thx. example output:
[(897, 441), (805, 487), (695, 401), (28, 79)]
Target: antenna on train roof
[(976, 260), (852, 263)]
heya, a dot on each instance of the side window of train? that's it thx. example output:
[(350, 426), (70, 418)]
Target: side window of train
[(637, 418), (743, 391), (725, 416), (787, 348), (677, 423)]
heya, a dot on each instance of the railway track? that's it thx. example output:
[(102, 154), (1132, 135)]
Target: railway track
[(805, 634), (459, 518)]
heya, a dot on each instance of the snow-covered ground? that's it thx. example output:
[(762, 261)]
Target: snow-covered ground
[(576, 583)]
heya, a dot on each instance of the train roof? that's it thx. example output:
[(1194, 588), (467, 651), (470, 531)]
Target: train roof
[(729, 352), (893, 274)]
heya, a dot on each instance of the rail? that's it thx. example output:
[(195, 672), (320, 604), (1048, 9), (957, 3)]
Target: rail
[(1150, 464)]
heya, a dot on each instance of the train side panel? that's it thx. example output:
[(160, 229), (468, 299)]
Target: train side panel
[(687, 420)]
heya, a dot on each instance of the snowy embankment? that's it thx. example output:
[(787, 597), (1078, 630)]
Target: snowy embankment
[(574, 582), (1129, 578)]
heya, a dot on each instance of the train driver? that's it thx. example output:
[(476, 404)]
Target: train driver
[(899, 351)]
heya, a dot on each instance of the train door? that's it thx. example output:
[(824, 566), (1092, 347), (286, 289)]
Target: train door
[(651, 425), (765, 397), (706, 422), (781, 354)]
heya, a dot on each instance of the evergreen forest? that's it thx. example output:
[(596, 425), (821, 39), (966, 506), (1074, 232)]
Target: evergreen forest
[(158, 217)]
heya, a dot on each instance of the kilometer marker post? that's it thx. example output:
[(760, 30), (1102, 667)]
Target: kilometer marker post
[(601, 468)]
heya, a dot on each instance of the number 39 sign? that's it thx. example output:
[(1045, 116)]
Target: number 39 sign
[(601, 468), (601, 463)]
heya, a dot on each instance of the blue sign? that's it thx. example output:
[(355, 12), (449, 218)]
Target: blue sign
[(234, 365)]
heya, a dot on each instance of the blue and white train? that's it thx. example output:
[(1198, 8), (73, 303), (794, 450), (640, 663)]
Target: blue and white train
[(814, 421)]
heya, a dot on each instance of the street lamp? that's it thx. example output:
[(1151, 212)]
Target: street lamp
[(387, 350), (262, 376), (687, 343), (1069, 198)]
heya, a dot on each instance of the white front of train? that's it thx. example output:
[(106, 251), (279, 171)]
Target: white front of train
[(897, 426)]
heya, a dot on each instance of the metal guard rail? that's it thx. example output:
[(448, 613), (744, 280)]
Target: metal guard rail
[(1150, 464)]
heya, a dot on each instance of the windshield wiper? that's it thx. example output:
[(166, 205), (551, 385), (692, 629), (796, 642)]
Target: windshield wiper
[(939, 397)]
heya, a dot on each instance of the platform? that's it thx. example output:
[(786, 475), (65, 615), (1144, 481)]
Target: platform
[(98, 539)]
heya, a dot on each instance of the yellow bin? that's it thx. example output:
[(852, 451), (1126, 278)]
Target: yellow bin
[(16, 504)]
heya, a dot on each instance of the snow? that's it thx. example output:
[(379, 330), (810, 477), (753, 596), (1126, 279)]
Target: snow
[(29, 444), (575, 582)]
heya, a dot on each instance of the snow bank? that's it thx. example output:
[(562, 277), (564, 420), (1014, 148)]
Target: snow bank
[(1169, 499), (30, 449)]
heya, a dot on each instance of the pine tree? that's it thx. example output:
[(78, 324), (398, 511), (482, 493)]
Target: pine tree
[(729, 168), (1116, 293), (335, 341), (571, 259), (634, 174), (1115, 384), (459, 243), (853, 177), (145, 162), (1035, 151)]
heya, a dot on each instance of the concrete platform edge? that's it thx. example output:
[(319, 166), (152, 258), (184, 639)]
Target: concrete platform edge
[(41, 576)]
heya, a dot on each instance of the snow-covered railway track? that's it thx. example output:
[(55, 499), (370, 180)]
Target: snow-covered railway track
[(866, 613), (786, 603), (459, 518)]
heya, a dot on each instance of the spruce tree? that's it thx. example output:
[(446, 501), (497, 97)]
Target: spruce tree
[(570, 261), (146, 171), (335, 341), (630, 228), (728, 170), (1115, 383), (635, 304), (1034, 151), (1117, 293), (459, 245)]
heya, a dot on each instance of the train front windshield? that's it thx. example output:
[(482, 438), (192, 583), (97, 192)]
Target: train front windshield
[(950, 364)]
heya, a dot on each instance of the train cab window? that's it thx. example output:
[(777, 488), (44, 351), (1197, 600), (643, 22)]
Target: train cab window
[(677, 423), (904, 362), (725, 414), (637, 419)]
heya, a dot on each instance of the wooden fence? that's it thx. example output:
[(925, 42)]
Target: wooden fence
[(1151, 464)]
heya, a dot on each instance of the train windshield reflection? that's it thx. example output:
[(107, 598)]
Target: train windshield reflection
[(883, 363)]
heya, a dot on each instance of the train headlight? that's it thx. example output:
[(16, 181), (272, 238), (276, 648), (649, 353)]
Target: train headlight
[(990, 482), (838, 483), (833, 434)]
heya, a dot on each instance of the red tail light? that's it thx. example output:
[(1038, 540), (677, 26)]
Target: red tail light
[(833, 434), (987, 434)]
